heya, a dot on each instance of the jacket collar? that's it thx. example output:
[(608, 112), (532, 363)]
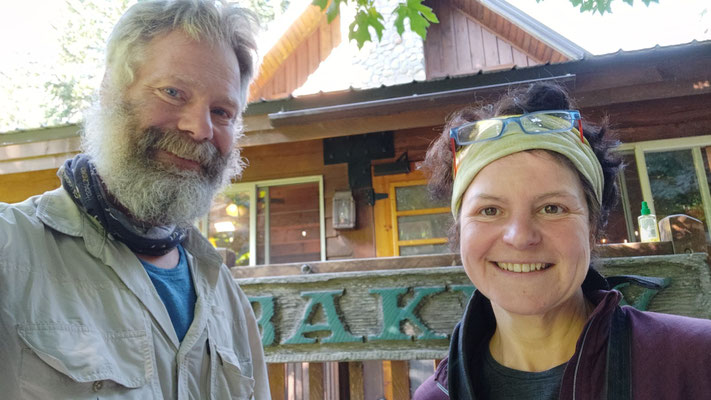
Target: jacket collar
[(471, 336)]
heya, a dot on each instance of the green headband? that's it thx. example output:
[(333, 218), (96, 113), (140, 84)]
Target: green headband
[(473, 158)]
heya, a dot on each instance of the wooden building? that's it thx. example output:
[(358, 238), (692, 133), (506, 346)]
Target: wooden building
[(308, 153)]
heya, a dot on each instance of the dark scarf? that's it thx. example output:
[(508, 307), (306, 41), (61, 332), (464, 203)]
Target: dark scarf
[(80, 179)]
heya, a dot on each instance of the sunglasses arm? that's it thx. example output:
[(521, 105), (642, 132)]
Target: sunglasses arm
[(454, 156)]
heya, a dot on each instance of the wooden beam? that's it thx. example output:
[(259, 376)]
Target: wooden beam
[(397, 380), (355, 380), (358, 264), (316, 389), (277, 382)]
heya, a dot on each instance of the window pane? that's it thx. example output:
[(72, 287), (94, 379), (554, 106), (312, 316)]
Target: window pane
[(424, 249), (675, 187), (415, 198), (622, 221), (293, 223), (427, 226), (228, 224)]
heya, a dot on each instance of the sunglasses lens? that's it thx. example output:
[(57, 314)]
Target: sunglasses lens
[(480, 130), (546, 122)]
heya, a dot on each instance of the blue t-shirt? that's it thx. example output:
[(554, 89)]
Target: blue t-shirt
[(175, 288)]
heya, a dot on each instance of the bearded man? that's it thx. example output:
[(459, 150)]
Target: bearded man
[(106, 289)]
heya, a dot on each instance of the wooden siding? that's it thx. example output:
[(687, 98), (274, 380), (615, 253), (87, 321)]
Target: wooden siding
[(299, 56), (306, 158), (460, 44), (518, 37), (18, 187)]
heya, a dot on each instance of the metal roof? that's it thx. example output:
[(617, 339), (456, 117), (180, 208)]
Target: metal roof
[(482, 78)]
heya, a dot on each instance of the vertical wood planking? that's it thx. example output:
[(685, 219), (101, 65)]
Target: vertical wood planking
[(461, 42), (290, 391), (433, 51), (519, 58), (355, 380), (305, 381), (373, 379), (279, 82), (397, 380), (540, 48), (401, 380), (290, 82), (302, 64), (491, 50), (276, 380), (316, 389), (299, 381), (331, 381), (324, 35), (505, 52), (476, 45), (547, 54), (526, 47), (344, 388), (448, 49), (313, 51)]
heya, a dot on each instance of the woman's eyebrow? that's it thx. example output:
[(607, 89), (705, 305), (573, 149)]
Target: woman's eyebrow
[(557, 193)]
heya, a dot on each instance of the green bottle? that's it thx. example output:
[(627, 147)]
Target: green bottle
[(648, 229)]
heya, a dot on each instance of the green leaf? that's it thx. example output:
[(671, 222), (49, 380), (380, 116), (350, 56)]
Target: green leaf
[(603, 6), (420, 17), (333, 10), (359, 29), (320, 3), (630, 2)]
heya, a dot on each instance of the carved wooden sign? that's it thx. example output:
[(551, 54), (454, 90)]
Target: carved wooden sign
[(409, 313)]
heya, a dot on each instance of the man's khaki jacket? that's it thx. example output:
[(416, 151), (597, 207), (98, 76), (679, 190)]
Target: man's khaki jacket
[(80, 318)]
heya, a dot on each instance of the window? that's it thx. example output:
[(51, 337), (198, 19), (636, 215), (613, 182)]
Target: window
[(270, 222), (671, 175), (408, 221), (420, 223)]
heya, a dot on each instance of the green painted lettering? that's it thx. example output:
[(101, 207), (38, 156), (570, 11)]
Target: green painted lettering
[(468, 290), (642, 301), (394, 315), (333, 321), (266, 304)]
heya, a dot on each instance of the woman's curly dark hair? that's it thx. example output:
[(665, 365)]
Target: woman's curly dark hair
[(536, 97)]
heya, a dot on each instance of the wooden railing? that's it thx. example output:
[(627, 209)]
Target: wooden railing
[(404, 308)]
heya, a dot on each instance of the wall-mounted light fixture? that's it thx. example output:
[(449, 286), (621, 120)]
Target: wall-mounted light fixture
[(344, 215)]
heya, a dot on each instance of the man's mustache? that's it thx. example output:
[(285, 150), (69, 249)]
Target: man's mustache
[(179, 143)]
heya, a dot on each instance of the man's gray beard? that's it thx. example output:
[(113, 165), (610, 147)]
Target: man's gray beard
[(153, 193)]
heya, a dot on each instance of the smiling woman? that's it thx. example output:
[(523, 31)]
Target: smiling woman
[(531, 186)]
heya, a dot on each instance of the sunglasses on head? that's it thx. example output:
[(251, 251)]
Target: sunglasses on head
[(535, 123)]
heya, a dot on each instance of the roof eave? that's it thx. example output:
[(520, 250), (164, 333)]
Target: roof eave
[(535, 28)]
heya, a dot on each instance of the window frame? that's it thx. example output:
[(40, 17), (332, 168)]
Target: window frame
[(251, 188), (693, 143), (394, 214)]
